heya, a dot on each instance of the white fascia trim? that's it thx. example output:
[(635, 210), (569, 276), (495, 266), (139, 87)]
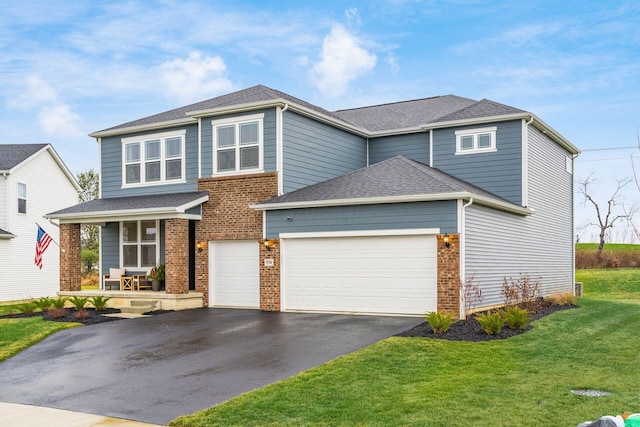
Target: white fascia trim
[(362, 233), (97, 218), (548, 130), (7, 236), (505, 206), (168, 134), (56, 158), (144, 128)]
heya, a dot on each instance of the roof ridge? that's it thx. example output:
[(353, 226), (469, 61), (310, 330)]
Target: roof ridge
[(401, 102)]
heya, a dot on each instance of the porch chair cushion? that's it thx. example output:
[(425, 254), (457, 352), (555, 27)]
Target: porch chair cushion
[(113, 278)]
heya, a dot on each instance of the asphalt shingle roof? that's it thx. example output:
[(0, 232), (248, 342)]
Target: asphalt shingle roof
[(12, 155), (397, 176), (155, 201), (5, 233)]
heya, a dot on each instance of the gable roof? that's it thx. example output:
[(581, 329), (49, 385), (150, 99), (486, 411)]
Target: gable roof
[(6, 235), (394, 180), (165, 205), (11, 155)]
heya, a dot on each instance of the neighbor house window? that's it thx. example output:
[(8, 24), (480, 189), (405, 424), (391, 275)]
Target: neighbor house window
[(22, 198), (237, 144), (153, 159), (476, 140), (139, 243)]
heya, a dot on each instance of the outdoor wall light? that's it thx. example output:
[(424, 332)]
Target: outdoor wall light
[(268, 244), (200, 246), (445, 239)]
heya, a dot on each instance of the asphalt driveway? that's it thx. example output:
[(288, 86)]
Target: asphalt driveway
[(156, 368)]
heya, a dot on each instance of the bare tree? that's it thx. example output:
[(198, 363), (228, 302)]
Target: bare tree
[(607, 215)]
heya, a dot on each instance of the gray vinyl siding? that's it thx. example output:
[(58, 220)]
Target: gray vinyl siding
[(315, 152), (269, 139), (441, 214), (111, 167), (109, 247), (499, 172), (500, 245), (414, 146)]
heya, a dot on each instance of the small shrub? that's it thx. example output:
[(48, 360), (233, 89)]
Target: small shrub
[(58, 302), (79, 303), (100, 302), (81, 314), (439, 322), (471, 295), (27, 308), (522, 291), (516, 317), (562, 299), (44, 304), (491, 322), (57, 312)]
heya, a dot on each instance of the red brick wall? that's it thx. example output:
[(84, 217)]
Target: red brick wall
[(176, 255), (70, 262), (227, 215), (270, 276), (449, 275)]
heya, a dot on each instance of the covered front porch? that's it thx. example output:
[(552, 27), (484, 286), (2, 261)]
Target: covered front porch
[(135, 234)]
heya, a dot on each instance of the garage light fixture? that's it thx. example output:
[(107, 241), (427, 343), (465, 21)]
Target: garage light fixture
[(200, 246), (268, 244), (445, 239)]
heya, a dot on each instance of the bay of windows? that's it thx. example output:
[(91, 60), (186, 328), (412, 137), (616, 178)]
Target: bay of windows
[(139, 243), (154, 159)]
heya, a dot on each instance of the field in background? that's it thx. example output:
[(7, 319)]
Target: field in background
[(614, 255)]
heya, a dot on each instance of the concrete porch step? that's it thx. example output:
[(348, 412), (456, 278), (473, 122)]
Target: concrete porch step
[(141, 306)]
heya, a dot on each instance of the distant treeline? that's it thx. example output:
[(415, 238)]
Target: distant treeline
[(614, 255)]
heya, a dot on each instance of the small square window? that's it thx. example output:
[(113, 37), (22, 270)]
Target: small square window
[(469, 141), (484, 140)]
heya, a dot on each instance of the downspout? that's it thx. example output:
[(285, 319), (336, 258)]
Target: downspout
[(462, 253)]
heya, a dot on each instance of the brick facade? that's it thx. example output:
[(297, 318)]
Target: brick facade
[(70, 261), (227, 215), (176, 258), (449, 275), (270, 276)]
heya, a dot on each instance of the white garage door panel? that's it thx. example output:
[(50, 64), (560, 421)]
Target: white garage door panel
[(234, 274), (380, 274)]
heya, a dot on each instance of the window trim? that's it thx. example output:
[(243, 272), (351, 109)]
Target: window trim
[(22, 198), (475, 133), (237, 121), (142, 141), (139, 244)]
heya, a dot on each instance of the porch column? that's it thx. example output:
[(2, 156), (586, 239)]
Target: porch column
[(449, 275), (176, 258), (70, 262)]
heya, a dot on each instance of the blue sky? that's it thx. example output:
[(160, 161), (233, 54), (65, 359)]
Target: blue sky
[(71, 68)]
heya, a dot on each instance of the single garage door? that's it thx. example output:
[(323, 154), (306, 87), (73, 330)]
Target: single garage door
[(363, 274), (234, 274)]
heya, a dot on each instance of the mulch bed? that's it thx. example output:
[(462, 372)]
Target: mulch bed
[(94, 317), (471, 330)]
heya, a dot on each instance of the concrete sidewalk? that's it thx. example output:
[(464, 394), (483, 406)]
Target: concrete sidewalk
[(15, 415)]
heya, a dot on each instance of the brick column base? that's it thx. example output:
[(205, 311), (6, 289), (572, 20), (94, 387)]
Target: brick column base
[(270, 276), (70, 261), (176, 244), (449, 275)]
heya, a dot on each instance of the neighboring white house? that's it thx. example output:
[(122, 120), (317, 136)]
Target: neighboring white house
[(33, 182)]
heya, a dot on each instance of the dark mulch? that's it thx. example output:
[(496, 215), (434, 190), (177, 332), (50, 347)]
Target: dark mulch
[(93, 317), (471, 330)]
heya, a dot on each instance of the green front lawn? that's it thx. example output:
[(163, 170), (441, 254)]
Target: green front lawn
[(21, 333), (525, 380)]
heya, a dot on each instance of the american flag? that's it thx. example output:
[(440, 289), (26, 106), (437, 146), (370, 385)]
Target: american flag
[(41, 245)]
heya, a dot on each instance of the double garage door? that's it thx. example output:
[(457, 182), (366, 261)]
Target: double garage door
[(358, 274)]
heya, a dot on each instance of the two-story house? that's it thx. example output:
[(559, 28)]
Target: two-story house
[(259, 199), (33, 182)]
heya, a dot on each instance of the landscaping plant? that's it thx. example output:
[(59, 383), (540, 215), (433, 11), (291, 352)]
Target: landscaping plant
[(439, 322), (58, 309), (27, 308), (523, 291), (471, 295), (79, 303), (44, 304), (100, 302), (516, 317), (491, 322)]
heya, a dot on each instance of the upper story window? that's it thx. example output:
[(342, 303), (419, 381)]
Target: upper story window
[(22, 198), (476, 140), (238, 144), (153, 159)]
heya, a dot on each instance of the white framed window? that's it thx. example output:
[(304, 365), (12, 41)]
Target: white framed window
[(479, 140), (22, 198), (238, 145), (139, 243), (153, 159)]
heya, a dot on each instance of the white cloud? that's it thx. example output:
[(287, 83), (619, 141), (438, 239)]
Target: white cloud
[(341, 60), (58, 120), (35, 92), (392, 61), (196, 77)]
